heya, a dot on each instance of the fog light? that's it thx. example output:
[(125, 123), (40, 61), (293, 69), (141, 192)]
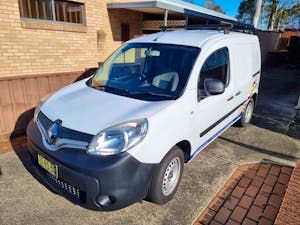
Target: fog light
[(104, 200)]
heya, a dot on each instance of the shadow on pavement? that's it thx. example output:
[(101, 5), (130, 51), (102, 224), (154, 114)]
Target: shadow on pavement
[(261, 150), (19, 145), (278, 95)]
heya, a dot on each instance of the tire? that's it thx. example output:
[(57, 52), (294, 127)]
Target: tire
[(247, 114), (167, 177)]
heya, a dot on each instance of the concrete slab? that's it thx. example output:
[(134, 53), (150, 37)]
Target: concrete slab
[(25, 201), (279, 93)]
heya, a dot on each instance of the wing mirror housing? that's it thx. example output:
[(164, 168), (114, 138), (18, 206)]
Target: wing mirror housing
[(213, 87)]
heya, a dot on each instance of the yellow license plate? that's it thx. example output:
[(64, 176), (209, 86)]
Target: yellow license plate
[(49, 166)]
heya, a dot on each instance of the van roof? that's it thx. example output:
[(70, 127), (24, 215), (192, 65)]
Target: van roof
[(187, 37)]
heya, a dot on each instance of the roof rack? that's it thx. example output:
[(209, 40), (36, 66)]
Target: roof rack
[(225, 27)]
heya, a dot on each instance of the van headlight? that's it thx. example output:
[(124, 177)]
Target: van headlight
[(38, 107), (118, 138)]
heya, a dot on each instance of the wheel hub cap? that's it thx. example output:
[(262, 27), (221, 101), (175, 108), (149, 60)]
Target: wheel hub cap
[(171, 176), (248, 113)]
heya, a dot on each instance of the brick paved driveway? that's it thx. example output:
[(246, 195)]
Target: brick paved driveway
[(252, 196)]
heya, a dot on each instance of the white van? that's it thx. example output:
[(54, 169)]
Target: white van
[(124, 134)]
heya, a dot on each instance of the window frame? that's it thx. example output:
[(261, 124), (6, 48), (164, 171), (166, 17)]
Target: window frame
[(54, 21), (228, 71)]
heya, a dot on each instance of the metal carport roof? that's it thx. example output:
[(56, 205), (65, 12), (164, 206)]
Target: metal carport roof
[(162, 6)]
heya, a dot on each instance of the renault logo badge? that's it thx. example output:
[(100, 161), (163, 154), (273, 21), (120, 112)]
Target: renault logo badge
[(52, 132)]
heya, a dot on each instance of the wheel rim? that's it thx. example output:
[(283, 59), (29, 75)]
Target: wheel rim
[(248, 112), (171, 176)]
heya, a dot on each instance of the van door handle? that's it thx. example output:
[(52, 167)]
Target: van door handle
[(238, 93), (229, 99)]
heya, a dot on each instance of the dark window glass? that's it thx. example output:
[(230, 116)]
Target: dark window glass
[(216, 66), (125, 32), (65, 11), (147, 71), (36, 9)]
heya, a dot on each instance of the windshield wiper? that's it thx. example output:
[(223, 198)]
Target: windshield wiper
[(136, 93), (111, 87), (154, 94)]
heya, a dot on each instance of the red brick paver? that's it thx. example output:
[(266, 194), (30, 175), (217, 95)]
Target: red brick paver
[(252, 195), (289, 213), (238, 214)]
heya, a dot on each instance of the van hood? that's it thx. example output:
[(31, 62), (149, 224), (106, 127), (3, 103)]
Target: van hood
[(88, 110)]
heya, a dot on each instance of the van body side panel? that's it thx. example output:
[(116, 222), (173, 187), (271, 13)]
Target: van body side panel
[(242, 69), (256, 63), (244, 59)]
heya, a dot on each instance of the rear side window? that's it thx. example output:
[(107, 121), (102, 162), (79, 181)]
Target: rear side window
[(216, 66)]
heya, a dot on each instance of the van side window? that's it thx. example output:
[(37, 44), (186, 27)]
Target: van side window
[(216, 66)]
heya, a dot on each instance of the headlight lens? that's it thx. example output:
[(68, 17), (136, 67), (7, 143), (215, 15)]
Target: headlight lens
[(38, 107), (118, 138)]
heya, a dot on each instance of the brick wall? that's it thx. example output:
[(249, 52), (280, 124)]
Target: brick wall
[(30, 47), (40, 57)]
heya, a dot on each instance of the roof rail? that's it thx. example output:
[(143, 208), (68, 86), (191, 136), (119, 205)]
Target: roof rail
[(225, 27)]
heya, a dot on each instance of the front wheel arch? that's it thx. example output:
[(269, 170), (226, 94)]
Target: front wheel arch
[(155, 193), (186, 148)]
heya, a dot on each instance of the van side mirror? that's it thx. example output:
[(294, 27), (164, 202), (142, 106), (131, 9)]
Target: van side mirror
[(213, 86)]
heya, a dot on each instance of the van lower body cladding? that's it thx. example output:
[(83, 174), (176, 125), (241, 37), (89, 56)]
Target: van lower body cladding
[(95, 182)]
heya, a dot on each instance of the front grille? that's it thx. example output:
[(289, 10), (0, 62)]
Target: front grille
[(64, 137), (63, 132), (66, 188)]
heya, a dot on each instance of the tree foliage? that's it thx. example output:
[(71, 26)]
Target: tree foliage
[(276, 14), (281, 13), (210, 4), (245, 11)]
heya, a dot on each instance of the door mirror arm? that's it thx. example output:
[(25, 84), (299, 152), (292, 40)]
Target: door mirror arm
[(201, 95)]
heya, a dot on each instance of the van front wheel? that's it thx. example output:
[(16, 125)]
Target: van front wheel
[(167, 177), (247, 114)]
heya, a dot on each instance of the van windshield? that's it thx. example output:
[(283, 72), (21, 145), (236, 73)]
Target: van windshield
[(146, 71)]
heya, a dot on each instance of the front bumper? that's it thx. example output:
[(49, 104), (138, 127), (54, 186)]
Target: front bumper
[(95, 182)]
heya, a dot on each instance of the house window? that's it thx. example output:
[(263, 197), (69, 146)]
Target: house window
[(52, 10)]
